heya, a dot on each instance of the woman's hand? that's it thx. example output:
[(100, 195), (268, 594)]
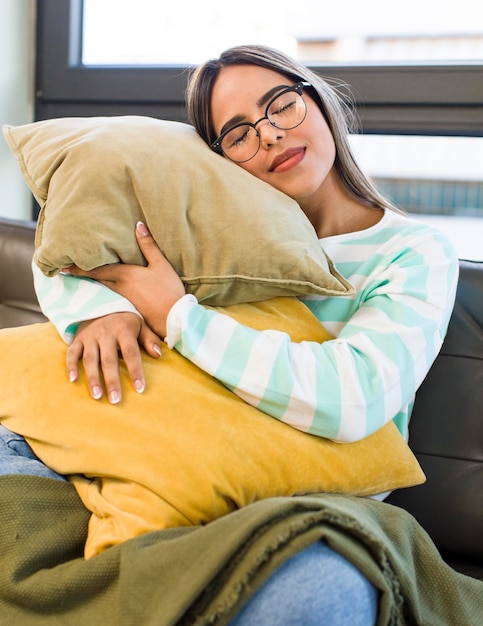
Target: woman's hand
[(153, 290), (99, 343)]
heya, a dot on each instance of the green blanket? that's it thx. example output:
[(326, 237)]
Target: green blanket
[(203, 575)]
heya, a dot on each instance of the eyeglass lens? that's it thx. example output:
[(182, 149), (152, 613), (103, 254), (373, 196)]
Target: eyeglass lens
[(286, 111)]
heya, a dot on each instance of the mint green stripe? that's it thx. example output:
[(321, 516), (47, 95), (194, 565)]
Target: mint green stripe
[(236, 356), (372, 388), (329, 401), (274, 402), (72, 328), (194, 331), (397, 352), (402, 420), (332, 309), (97, 297)]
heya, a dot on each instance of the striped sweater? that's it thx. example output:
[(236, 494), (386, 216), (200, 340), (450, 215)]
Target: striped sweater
[(386, 336)]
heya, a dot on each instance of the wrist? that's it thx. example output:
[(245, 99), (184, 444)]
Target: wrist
[(176, 318)]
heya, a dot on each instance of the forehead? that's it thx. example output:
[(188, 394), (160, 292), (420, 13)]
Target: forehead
[(237, 90)]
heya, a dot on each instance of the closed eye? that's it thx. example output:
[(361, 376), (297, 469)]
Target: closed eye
[(238, 136)]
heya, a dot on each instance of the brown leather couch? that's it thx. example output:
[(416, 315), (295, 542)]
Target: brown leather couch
[(446, 431)]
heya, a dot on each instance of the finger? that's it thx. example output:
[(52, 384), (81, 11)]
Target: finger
[(103, 274), (150, 341), (131, 354), (148, 246), (72, 358), (73, 270), (108, 358), (89, 353)]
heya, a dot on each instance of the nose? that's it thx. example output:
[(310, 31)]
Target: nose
[(269, 134)]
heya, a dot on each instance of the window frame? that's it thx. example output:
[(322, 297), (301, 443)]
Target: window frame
[(391, 98)]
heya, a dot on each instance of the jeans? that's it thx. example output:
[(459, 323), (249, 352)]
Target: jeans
[(316, 587), (17, 457)]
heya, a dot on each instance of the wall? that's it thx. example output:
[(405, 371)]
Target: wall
[(16, 98)]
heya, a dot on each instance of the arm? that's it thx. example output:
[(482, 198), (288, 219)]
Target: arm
[(387, 337), (98, 323), (344, 389), (68, 301)]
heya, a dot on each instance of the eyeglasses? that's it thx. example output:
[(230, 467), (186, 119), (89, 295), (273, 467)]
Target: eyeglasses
[(286, 110)]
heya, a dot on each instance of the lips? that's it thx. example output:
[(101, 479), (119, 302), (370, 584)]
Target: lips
[(290, 157)]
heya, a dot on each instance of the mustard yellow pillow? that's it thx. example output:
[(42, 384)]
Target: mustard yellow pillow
[(188, 450), (231, 237)]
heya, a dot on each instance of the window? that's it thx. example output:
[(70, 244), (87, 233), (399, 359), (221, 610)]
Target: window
[(417, 83), (437, 179), (443, 97), (145, 32)]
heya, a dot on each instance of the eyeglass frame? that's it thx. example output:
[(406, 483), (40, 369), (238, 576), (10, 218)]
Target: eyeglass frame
[(298, 88)]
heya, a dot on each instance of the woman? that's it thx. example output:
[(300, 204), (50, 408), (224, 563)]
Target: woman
[(288, 127)]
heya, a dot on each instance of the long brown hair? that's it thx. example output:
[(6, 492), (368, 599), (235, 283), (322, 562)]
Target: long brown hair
[(337, 110)]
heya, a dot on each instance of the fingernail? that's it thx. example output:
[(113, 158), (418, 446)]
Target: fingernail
[(72, 376), (141, 229), (157, 349), (96, 392), (114, 397), (139, 386)]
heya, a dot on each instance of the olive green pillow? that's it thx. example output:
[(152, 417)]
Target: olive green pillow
[(231, 237)]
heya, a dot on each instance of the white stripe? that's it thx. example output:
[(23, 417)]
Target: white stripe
[(258, 367), (304, 393), (214, 342), (352, 423), (49, 290)]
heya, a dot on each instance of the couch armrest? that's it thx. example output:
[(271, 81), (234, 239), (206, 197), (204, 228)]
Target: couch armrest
[(18, 302)]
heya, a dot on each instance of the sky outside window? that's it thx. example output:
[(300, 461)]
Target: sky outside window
[(137, 32)]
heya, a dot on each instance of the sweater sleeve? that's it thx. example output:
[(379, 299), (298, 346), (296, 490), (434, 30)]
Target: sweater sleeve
[(69, 300), (387, 337)]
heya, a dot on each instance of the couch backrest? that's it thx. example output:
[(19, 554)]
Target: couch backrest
[(18, 303), (446, 434)]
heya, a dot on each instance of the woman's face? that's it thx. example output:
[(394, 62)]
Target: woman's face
[(295, 161)]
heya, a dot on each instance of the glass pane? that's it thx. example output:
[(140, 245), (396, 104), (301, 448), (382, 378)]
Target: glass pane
[(438, 179), (377, 30), (140, 32)]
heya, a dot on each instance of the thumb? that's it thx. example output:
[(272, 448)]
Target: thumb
[(148, 246)]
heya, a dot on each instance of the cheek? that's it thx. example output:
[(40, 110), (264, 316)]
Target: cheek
[(321, 130), (324, 147), (329, 149), (254, 166)]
